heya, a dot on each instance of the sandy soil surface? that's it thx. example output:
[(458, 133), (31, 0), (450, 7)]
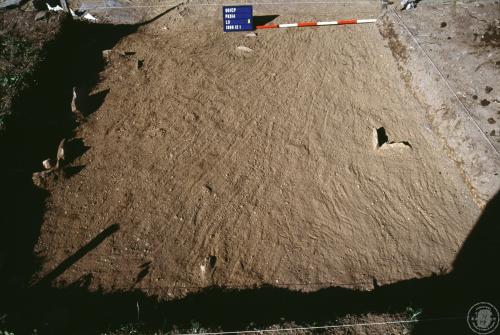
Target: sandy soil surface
[(232, 168), (462, 39)]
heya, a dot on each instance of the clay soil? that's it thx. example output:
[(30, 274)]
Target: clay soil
[(233, 168)]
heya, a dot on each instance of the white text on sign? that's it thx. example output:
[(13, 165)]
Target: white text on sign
[(234, 27)]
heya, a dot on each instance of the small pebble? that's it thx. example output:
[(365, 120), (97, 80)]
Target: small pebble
[(244, 49), (48, 163)]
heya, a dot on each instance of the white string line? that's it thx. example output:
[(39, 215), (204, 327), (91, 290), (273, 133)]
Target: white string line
[(235, 4), (447, 84), (283, 3), (127, 7), (317, 2), (280, 3), (263, 3), (444, 2), (348, 325)]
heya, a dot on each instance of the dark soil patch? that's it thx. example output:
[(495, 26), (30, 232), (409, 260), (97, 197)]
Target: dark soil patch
[(397, 48), (491, 36), (485, 102)]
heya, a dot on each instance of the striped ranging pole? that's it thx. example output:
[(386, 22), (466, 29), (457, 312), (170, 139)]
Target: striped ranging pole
[(314, 24)]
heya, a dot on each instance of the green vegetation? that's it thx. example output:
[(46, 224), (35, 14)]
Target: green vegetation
[(413, 313), (17, 60)]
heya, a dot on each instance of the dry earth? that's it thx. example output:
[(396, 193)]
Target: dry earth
[(232, 168), (462, 39)]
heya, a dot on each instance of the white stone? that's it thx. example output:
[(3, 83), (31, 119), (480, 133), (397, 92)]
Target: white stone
[(48, 164), (244, 49)]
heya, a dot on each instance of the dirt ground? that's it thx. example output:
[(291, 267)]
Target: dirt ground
[(233, 168), (462, 39), (21, 49)]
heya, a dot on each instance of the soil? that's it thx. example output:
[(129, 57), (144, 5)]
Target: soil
[(465, 97), (24, 44), (238, 169)]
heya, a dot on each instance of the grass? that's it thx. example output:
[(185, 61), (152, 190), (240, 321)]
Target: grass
[(17, 60), (194, 327)]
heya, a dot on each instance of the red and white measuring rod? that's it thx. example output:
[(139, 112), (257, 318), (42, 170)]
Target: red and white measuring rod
[(314, 24)]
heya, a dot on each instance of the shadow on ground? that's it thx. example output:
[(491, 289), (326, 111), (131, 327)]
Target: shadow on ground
[(41, 117), (75, 309), (260, 20)]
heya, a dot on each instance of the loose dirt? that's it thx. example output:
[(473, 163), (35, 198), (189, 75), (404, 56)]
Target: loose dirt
[(232, 168)]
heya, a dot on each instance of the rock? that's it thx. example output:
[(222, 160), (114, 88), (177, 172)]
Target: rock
[(55, 8), (488, 89), (106, 54), (244, 49), (251, 35), (41, 15), (48, 164), (73, 101), (395, 145), (40, 179), (61, 152), (90, 17), (380, 141), (375, 143), (408, 4)]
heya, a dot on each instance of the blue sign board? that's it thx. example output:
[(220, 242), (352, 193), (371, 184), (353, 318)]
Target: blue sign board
[(237, 18)]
